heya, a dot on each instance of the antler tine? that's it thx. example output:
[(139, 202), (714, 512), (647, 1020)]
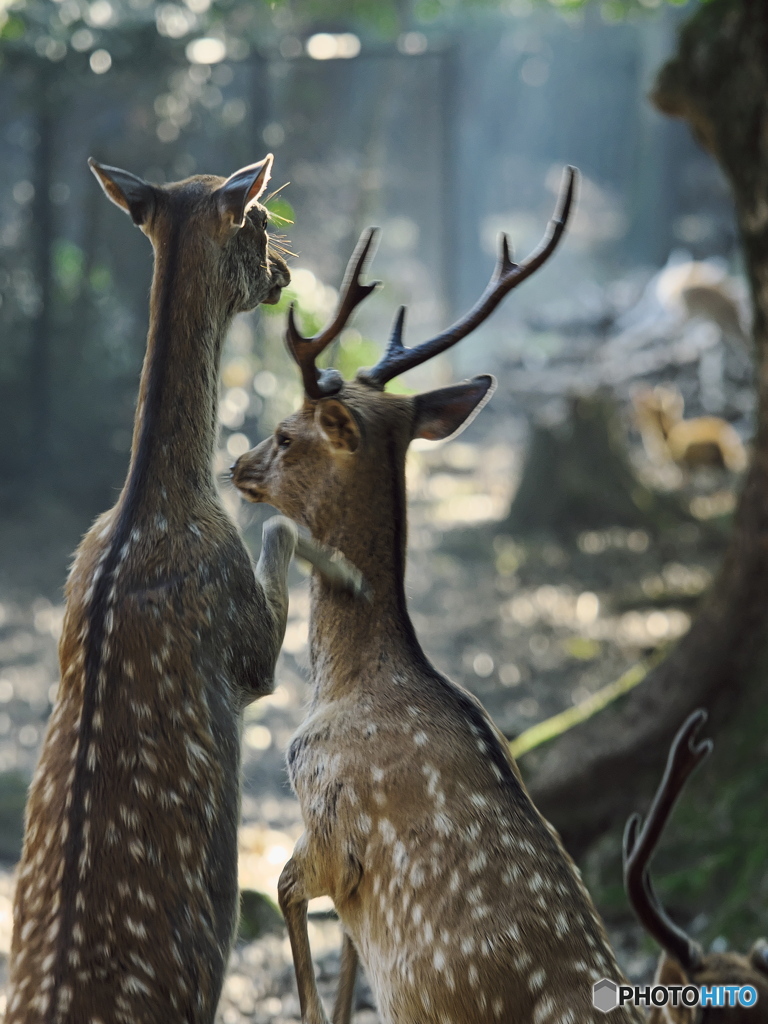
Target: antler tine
[(320, 383), (506, 276), (639, 845)]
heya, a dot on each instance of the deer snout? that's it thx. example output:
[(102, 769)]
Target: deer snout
[(281, 278), (246, 478)]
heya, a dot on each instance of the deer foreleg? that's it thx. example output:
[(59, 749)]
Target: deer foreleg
[(293, 897), (342, 1008), (335, 569), (278, 544), (281, 539)]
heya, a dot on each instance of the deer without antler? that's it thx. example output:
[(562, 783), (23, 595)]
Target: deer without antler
[(126, 900), (700, 441), (455, 893), (683, 961)]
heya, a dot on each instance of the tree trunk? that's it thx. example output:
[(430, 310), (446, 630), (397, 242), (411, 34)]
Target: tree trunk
[(598, 773), (577, 477)]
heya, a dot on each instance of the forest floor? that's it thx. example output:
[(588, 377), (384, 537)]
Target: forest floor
[(530, 628)]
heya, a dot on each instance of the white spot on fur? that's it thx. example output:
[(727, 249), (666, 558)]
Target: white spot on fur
[(443, 824), (478, 862), (543, 1009), (134, 985), (536, 980), (475, 894), (136, 928)]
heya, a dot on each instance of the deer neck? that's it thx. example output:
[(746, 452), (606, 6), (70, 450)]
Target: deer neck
[(354, 641), (175, 428)]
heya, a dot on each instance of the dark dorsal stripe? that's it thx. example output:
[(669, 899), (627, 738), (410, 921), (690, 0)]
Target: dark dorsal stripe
[(99, 604)]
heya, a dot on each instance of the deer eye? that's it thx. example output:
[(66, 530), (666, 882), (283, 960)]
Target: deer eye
[(283, 440)]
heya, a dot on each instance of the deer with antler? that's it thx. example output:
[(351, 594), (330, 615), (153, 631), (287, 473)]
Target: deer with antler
[(683, 962), (453, 891), (127, 894)]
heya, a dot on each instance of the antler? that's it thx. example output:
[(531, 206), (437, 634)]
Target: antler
[(506, 276), (320, 383), (684, 755)]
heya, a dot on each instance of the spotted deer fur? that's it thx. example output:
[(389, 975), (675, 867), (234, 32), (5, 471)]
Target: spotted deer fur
[(455, 893), (127, 894)]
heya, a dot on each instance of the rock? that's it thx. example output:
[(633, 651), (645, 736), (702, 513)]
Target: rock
[(258, 916)]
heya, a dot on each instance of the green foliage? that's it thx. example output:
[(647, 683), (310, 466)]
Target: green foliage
[(308, 323), (280, 212), (355, 352), (68, 266), (100, 278), (711, 866), (13, 797), (47, 30), (12, 30), (720, 842)]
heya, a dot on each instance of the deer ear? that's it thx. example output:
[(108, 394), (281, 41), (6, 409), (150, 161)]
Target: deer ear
[(337, 424), (669, 972), (441, 413), (242, 189), (132, 194)]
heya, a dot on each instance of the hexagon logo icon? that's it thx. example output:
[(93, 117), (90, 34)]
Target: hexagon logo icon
[(605, 995)]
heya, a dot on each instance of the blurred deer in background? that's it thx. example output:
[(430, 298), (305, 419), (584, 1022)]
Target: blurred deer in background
[(692, 444), (455, 893), (683, 961), (127, 894), (698, 288)]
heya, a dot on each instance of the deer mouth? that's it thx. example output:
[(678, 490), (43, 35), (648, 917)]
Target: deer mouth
[(249, 489), (251, 492), (280, 279)]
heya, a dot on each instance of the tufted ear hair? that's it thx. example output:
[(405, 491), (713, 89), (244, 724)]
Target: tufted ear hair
[(242, 189), (441, 413), (132, 194)]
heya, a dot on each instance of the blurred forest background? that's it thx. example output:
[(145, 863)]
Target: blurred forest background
[(561, 544)]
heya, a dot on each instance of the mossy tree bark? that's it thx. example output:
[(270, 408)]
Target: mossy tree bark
[(597, 774)]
